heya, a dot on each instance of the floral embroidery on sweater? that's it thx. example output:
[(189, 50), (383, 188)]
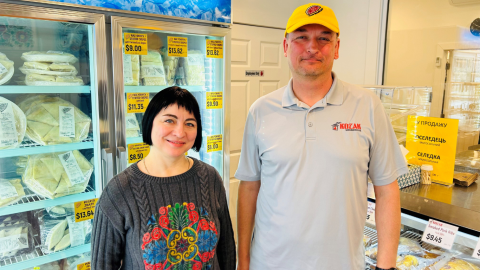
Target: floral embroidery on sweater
[(179, 238)]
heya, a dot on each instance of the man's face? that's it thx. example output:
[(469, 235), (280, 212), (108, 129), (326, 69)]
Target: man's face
[(311, 50)]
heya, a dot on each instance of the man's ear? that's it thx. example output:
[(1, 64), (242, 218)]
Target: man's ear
[(337, 48), (285, 46)]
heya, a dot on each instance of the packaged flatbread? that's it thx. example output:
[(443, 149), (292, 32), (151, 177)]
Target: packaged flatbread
[(13, 124), (152, 71), (195, 68), (49, 56), (130, 76), (36, 65), (58, 174), (6, 69), (132, 126), (65, 67), (15, 240), (55, 79), (52, 120), (11, 191)]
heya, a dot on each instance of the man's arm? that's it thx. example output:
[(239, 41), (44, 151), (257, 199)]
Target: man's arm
[(246, 209), (387, 218)]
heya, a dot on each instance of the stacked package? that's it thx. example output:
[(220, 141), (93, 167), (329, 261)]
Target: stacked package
[(170, 63), (133, 128), (55, 175), (16, 236), (50, 68), (131, 69), (52, 120), (13, 124), (195, 68), (11, 191), (6, 69), (151, 70)]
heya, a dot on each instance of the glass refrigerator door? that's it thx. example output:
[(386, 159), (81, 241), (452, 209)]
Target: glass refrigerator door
[(153, 60), (49, 135)]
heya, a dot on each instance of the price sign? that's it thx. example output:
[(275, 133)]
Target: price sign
[(371, 213), (84, 210), (137, 102), (439, 234), (214, 48), (214, 100), (178, 46), (137, 151), (135, 43), (83, 266), (214, 143)]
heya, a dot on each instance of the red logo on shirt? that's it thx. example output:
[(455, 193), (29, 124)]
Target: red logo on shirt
[(347, 126)]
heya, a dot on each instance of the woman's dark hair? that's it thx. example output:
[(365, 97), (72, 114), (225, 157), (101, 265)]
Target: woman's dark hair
[(165, 98)]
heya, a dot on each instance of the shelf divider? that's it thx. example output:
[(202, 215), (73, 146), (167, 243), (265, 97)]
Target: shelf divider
[(24, 89)]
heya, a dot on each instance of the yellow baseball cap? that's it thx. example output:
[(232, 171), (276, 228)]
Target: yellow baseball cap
[(312, 14)]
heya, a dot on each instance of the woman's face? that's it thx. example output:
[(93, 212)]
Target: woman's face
[(174, 131)]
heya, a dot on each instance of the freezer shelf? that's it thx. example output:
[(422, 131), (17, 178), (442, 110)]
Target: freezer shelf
[(22, 89), (32, 148), (32, 201), (153, 89)]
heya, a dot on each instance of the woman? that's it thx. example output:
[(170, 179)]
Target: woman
[(167, 211)]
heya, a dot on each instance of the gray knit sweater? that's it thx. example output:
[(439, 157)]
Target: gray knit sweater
[(179, 222)]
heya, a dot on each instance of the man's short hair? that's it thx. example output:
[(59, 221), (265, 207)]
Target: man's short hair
[(163, 99)]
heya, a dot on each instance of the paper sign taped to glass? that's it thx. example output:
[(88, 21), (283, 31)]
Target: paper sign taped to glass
[(433, 141)]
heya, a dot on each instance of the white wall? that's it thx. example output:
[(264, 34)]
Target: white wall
[(359, 22)]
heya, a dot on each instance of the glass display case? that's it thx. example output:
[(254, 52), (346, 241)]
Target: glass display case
[(50, 143)]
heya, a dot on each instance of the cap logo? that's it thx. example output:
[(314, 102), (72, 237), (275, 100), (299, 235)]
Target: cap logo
[(312, 10)]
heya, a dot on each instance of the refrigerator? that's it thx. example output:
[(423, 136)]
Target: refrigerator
[(149, 56), (54, 134)]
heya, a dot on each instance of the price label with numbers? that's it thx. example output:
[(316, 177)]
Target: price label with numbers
[(137, 151), (135, 43), (178, 46), (214, 48), (214, 143), (137, 102), (439, 234), (85, 210), (83, 266), (214, 100), (371, 213)]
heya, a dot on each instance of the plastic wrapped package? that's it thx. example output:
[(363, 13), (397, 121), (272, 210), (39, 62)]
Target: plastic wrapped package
[(16, 239), (410, 262), (8, 220), (195, 68), (49, 56), (170, 64), (52, 120), (57, 69), (132, 126), (459, 264), (366, 240), (48, 266), (51, 233), (151, 70), (409, 246), (6, 69), (130, 76), (11, 191), (34, 79), (71, 263), (59, 174), (13, 124), (61, 210)]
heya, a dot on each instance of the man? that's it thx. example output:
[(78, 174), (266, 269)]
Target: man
[(307, 152)]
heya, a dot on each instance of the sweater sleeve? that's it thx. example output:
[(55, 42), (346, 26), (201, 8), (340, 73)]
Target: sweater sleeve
[(108, 244), (226, 244)]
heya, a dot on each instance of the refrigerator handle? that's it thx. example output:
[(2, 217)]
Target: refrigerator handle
[(107, 165), (122, 157)]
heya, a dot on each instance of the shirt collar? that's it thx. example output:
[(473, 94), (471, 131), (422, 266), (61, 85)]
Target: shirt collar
[(333, 97)]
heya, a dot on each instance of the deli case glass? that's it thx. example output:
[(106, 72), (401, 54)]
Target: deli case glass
[(50, 134)]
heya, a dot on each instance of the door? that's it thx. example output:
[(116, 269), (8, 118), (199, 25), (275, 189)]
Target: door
[(258, 68)]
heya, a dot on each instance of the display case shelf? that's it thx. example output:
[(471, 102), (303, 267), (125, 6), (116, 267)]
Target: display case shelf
[(32, 201), (23, 89), (134, 140), (37, 257), (155, 89), (29, 147)]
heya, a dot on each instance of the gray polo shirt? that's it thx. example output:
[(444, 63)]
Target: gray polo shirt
[(314, 163)]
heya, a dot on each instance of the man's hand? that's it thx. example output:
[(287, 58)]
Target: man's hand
[(246, 209), (388, 220)]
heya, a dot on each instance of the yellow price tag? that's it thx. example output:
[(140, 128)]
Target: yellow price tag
[(83, 266), (137, 102), (84, 210), (135, 43), (214, 143), (137, 151), (214, 100), (214, 48), (178, 46)]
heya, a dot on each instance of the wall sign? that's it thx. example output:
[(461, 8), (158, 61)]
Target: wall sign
[(254, 73), (433, 141)]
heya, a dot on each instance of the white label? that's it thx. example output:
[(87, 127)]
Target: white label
[(371, 213), (67, 121), (131, 122), (75, 229), (439, 234), (127, 68), (3, 69), (152, 71), (476, 251), (8, 131), (55, 52), (70, 165), (13, 242), (7, 190)]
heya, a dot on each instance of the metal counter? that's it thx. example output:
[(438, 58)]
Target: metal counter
[(454, 204)]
